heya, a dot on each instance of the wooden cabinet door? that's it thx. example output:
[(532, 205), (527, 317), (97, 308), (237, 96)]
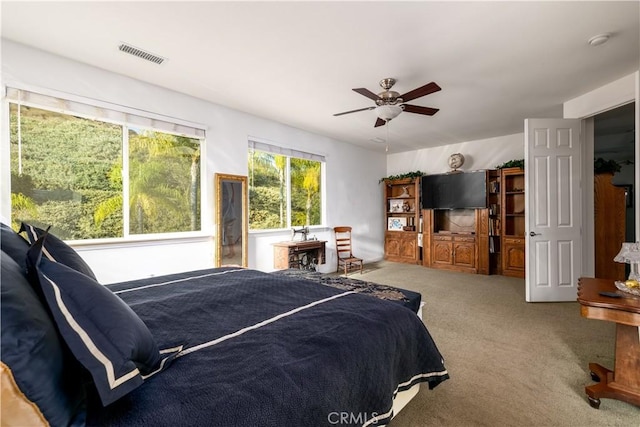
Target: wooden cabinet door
[(441, 252), (408, 247), (464, 254), (392, 246), (513, 257)]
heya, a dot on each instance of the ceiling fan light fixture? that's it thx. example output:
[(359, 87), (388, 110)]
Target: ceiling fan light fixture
[(388, 112), (599, 39)]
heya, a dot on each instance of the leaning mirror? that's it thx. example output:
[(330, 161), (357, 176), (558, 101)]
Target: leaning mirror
[(231, 220)]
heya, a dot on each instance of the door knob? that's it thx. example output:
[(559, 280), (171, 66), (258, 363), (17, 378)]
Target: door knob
[(534, 234)]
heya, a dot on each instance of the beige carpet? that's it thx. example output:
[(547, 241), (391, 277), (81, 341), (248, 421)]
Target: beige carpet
[(511, 363)]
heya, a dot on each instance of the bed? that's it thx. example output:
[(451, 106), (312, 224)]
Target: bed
[(220, 347)]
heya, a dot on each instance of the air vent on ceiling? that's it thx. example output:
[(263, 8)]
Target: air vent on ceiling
[(141, 53)]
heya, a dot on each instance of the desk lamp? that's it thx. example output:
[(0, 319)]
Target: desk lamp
[(630, 254)]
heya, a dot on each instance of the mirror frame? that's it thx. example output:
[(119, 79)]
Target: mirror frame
[(220, 180)]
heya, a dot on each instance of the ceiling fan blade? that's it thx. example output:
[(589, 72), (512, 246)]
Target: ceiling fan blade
[(421, 91), (379, 122), (355, 111), (367, 93), (427, 111)]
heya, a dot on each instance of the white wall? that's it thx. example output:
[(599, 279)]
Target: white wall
[(479, 154), (354, 196)]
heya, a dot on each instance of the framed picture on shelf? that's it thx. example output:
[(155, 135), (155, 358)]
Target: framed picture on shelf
[(396, 224), (395, 205)]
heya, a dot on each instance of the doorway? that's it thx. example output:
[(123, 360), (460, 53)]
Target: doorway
[(614, 207)]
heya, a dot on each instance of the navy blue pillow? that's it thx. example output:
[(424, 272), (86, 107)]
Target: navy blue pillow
[(102, 331), (14, 245), (57, 250), (44, 369)]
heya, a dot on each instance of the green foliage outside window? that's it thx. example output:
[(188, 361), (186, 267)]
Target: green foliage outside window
[(305, 192), (270, 177), (67, 172)]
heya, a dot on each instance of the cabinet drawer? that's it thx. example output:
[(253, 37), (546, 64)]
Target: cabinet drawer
[(442, 238), (513, 240), (464, 239)]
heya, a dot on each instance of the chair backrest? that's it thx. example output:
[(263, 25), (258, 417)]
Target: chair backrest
[(343, 241)]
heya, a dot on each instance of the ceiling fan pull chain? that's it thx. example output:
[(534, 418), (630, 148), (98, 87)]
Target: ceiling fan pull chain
[(386, 149)]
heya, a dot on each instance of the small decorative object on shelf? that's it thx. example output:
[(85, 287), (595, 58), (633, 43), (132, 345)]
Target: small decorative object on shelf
[(456, 160), (397, 223), (405, 193), (396, 206)]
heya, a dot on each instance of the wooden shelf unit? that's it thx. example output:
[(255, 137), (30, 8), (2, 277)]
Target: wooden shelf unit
[(513, 222), (402, 219), (495, 222)]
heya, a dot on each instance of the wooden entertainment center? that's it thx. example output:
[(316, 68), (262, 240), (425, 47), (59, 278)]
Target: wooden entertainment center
[(456, 240), (483, 240)]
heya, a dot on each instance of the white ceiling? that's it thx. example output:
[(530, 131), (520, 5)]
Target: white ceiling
[(296, 62)]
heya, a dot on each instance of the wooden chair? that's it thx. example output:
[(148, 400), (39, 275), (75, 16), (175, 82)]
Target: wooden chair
[(343, 248)]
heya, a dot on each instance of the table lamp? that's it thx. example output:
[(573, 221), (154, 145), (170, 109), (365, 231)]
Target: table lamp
[(630, 254)]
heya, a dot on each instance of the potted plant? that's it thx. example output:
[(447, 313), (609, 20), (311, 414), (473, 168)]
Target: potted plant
[(601, 165)]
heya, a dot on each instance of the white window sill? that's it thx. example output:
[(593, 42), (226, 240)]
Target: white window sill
[(140, 240)]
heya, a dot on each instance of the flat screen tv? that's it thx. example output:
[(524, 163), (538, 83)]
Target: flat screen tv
[(464, 190)]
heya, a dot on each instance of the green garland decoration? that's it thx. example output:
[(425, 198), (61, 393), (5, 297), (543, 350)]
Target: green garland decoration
[(415, 174), (512, 164)]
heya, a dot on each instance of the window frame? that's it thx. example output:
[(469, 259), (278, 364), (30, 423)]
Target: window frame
[(89, 105), (277, 149)]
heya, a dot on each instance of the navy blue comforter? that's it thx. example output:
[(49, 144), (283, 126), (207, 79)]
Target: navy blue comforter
[(262, 349)]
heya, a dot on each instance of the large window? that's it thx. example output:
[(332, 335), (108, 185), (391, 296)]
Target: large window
[(90, 178), (284, 187)]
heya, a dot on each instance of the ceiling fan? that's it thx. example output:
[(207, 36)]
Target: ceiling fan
[(389, 103)]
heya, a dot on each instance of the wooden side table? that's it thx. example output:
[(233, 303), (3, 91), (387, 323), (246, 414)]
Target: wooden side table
[(623, 383)]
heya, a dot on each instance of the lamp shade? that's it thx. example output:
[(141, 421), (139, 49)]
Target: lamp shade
[(388, 112), (629, 253)]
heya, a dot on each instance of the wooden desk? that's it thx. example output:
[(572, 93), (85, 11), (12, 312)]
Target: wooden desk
[(298, 254), (623, 383)]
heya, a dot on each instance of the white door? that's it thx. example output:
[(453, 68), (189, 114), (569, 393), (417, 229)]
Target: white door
[(553, 206)]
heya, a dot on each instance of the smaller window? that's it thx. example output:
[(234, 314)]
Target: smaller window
[(284, 188)]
